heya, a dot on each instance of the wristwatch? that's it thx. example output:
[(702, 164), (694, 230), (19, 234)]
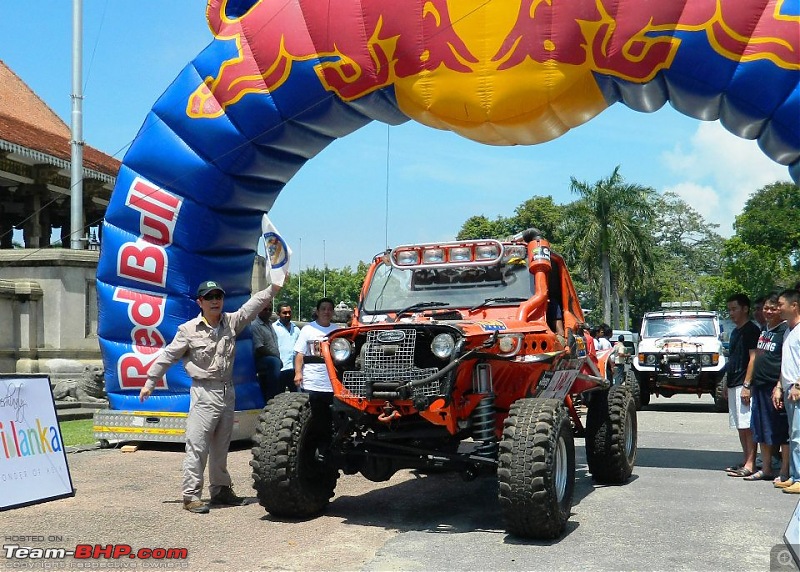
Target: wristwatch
[(746, 385)]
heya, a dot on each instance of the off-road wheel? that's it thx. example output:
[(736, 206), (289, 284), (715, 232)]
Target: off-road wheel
[(644, 392), (536, 471), (289, 479), (611, 434), (636, 389), (721, 394)]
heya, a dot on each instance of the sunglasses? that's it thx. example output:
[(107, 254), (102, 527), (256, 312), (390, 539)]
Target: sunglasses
[(213, 297)]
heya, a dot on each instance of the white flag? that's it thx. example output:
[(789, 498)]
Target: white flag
[(277, 252)]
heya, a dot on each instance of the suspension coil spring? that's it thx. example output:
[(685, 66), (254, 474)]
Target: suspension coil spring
[(483, 422)]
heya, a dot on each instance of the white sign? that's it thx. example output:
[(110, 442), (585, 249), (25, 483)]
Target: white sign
[(33, 463)]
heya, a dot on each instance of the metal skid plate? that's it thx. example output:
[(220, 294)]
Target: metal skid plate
[(165, 427)]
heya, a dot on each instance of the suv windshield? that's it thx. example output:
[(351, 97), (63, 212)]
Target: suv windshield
[(668, 326), (393, 289)]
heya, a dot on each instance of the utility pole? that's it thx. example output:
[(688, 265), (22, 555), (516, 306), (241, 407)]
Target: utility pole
[(299, 270), (77, 240)]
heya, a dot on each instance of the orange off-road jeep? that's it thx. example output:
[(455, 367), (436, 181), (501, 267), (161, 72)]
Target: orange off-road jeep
[(455, 360)]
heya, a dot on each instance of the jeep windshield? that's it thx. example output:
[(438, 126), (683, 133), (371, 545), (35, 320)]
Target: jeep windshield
[(679, 326), (393, 289)]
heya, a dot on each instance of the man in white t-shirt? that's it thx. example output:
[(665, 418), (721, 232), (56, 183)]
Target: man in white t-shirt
[(310, 372), (787, 392)]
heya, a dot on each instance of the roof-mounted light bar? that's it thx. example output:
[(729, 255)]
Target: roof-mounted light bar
[(447, 254), (685, 304)]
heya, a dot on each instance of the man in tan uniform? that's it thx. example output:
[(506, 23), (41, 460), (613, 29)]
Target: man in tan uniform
[(207, 345)]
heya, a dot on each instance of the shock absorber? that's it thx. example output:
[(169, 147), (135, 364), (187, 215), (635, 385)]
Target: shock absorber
[(483, 416)]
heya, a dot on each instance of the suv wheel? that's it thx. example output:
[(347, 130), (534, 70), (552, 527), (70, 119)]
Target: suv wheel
[(536, 470), (721, 394), (289, 479)]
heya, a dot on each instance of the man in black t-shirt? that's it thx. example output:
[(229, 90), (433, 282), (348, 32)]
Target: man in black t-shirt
[(769, 425), (742, 350)]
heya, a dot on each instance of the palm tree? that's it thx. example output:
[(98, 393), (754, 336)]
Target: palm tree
[(612, 232)]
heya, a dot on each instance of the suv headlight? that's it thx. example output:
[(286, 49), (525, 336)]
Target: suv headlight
[(442, 346), (341, 349), (647, 359), (706, 359), (509, 344)]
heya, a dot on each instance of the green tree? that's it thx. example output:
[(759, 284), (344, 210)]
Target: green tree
[(539, 212), (754, 270), (479, 226), (769, 220), (608, 230), (687, 250), (341, 285)]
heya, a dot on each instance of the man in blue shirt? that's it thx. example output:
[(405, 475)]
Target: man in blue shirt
[(286, 332)]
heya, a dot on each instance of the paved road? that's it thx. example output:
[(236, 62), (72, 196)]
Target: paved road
[(678, 512)]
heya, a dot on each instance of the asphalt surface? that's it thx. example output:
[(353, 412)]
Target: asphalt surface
[(679, 511)]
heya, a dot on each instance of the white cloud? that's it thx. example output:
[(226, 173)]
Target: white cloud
[(717, 172)]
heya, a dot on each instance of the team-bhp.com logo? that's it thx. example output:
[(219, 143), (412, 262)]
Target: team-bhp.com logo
[(49, 557)]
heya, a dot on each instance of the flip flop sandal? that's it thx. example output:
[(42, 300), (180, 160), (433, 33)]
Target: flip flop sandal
[(759, 476), (733, 468), (740, 473)]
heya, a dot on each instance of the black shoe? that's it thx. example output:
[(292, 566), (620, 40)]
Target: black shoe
[(227, 497)]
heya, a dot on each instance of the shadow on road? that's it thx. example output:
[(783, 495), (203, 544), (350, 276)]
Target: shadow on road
[(685, 459), (665, 405), (441, 503)]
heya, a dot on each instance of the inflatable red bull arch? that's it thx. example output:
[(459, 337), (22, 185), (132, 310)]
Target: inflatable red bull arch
[(281, 79)]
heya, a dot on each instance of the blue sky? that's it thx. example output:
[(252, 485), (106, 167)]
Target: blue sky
[(334, 210)]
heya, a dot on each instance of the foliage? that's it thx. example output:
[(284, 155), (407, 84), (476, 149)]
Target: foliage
[(769, 220), (609, 233), (341, 285), (687, 249), (754, 270), (536, 212), (77, 432)]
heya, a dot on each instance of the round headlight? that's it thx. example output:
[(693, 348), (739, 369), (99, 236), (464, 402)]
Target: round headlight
[(442, 346), (706, 359), (650, 359), (341, 349), (506, 344)]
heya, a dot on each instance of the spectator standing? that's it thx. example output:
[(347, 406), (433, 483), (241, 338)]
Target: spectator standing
[(207, 346), (758, 313), (602, 338), (768, 424), (788, 389), (310, 372), (287, 333), (620, 355), (742, 349), (267, 355)]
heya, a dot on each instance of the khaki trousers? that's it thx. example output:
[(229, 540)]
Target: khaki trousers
[(209, 427)]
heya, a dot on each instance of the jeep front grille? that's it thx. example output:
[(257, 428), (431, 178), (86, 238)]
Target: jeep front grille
[(390, 364)]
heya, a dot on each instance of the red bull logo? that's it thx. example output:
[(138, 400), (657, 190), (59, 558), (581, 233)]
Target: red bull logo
[(446, 59)]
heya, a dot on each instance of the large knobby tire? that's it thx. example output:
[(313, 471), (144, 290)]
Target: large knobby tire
[(611, 434), (721, 394), (288, 478), (536, 470)]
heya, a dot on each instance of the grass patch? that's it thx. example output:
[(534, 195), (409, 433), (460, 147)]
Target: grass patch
[(78, 432)]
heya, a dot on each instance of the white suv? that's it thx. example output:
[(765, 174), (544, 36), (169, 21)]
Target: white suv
[(681, 352)]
